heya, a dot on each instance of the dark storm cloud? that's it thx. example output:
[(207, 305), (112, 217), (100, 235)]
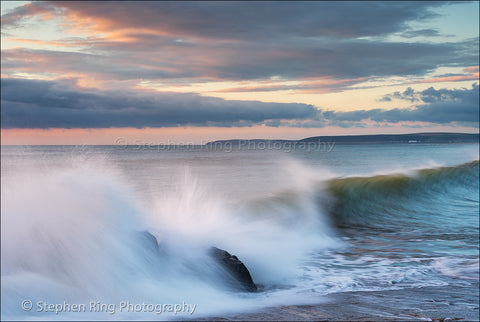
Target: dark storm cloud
[(46, 104)]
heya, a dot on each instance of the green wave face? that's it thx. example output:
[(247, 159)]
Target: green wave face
[(370, 201)]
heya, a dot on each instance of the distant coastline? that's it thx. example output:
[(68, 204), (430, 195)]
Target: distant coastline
[(438, 137), (326, 140)]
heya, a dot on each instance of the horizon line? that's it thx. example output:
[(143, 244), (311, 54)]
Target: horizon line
[(270, 140)]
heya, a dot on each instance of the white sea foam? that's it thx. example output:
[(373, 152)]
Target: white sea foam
[(68, 226), (67, 236)]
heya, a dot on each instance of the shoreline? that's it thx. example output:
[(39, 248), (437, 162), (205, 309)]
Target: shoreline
[(431, 303)]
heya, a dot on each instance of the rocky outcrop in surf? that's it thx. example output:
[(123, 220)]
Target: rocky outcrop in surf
[(237, 274), (148, 241), (234, 267)]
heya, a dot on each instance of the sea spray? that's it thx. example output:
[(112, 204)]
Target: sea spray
[(68, 234), (73, 225), (270, 240)]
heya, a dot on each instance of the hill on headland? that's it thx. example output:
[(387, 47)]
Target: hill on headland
[(399, 138), (370, 139)]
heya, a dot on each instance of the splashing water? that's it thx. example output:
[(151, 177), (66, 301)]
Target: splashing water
[(70, 228)]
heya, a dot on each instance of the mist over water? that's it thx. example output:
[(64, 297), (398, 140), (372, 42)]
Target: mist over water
[(297, 220)]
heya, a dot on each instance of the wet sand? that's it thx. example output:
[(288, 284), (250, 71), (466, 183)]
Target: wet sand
[(444, 303)]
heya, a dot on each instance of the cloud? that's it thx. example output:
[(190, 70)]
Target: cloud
[(233, 41), (471, 74), (472, 69), (420, 33), (238, 20), (408, 95), (341, 60), (432, 95), (318, 47), (18, 16), (323, 85), (440, 106), (47, 104), (453, 78)]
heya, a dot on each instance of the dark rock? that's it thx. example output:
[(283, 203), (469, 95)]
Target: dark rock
[(234, 267), (147, 241), (236, 273)]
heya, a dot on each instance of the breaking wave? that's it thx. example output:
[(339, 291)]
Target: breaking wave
[(68, 234), (375, 200)]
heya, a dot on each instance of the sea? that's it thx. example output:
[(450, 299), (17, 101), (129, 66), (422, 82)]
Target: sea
[(309, 222)]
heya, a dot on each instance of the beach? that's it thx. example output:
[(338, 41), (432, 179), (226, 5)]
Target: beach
[(419, 304)]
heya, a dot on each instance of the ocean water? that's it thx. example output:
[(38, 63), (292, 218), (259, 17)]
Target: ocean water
[(307, 222)]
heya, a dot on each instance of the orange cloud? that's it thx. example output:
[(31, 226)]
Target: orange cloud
[(472, 70), (41, 42), (449, 79), (317, 86)]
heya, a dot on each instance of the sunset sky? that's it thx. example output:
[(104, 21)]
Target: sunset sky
[(190, 72)]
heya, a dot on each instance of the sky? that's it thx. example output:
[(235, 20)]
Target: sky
[(166, 72)]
